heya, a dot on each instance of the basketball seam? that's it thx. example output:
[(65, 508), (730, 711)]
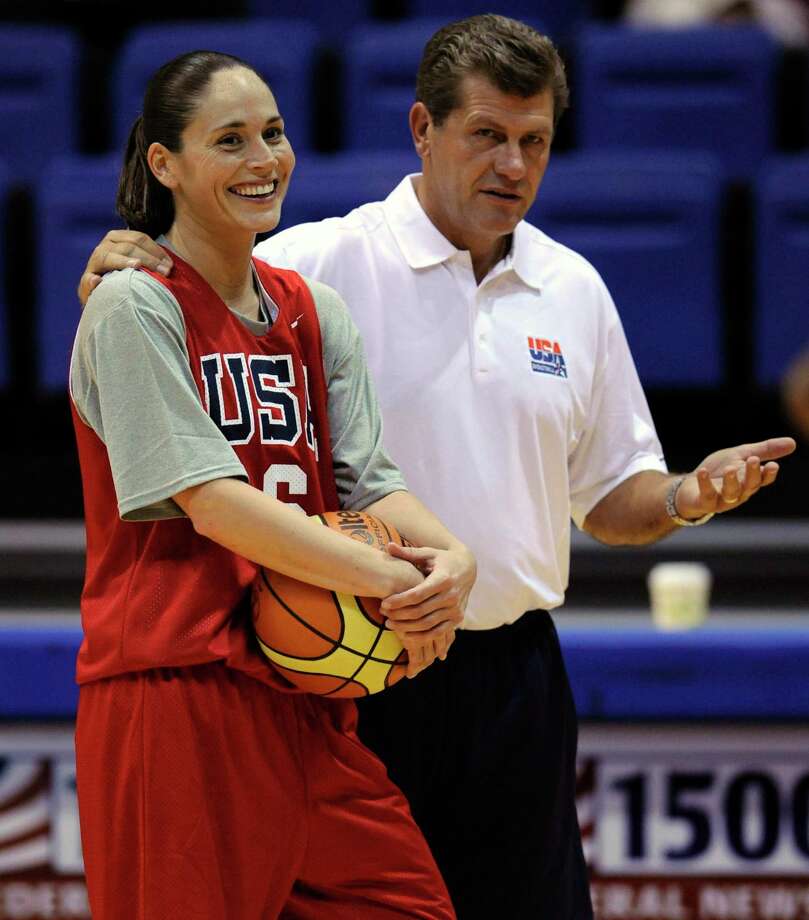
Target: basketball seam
[(368, 657), (345, 680), (306, 624), (326, 638)]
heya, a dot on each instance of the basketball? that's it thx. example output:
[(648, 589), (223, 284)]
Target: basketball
[(322, 641)]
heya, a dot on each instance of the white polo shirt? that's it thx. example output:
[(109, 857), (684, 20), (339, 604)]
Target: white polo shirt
[(510, 406)]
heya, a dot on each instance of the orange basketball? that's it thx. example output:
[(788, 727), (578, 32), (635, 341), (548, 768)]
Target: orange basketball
[(323, 641)]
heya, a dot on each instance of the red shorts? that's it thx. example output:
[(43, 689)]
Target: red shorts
[(206, 795)]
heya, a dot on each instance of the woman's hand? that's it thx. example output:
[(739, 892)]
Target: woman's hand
[(426, 616)]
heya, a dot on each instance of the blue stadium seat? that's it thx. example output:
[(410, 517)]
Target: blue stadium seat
[(380, 63), (282, 50), (782, 267), (708, 88), (75, 206), (5, 345), (650, 225), (558, 17), (38, 97), (332, 22), (330, 186)]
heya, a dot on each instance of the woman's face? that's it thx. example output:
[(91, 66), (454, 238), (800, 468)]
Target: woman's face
[(234, 167)]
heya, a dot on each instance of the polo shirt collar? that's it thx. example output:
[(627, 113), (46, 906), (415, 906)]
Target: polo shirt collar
[(423, 245), (523, 257)]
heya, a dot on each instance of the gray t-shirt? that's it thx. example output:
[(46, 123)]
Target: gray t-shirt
[(131, 382)]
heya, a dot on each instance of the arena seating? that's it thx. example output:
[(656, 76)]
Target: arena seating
[(332, 23), (650, 225), (688, 89), (782, 268), (286, 63), (330, 186), (38, 97), (559, 17), (380, 63), (75, 206)]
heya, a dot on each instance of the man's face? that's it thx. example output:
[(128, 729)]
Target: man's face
[(483, 166)]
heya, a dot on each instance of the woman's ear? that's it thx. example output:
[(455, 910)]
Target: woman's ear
[(161, 161)]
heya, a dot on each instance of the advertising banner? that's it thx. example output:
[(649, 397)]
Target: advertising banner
[(679, 822), (696, 823)]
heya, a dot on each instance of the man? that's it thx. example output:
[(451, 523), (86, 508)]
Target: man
[(511, 403)]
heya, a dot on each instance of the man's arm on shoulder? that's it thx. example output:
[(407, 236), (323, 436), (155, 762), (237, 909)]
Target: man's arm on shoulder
[(118, 250), (297, 247)]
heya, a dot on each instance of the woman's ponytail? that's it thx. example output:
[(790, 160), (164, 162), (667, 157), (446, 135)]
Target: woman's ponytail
[(143, 202)]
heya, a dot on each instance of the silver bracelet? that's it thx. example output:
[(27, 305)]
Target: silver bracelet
[(671, 507)]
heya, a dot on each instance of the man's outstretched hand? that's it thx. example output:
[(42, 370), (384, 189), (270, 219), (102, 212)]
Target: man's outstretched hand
[(728, 478), (122, 249)]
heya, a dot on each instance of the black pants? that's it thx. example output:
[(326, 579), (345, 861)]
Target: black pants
[(484, 747)]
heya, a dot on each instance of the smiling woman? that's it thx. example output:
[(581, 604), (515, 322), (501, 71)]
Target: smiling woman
[(212, 404), (226, 161)]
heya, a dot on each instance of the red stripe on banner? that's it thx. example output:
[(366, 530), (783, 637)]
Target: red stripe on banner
[(39, 783)]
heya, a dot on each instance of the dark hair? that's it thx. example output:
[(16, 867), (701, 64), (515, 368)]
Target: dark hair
[(169, 103), (512, 55)]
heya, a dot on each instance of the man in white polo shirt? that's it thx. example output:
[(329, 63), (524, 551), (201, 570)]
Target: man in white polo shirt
[(511, 403)]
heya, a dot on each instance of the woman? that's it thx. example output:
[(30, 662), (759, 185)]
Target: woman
[(207, 405)]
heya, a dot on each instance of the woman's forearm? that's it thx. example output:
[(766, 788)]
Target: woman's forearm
[(414, 521), (277, 536)]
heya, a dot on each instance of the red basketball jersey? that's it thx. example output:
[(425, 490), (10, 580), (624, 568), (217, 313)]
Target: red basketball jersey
[(156, 593)]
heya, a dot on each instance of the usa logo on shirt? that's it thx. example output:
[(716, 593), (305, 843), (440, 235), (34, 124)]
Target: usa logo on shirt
[(546, 357)]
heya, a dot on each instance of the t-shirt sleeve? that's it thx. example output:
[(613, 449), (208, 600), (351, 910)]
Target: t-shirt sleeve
[(131, 382), (363, 470), (619, 437)]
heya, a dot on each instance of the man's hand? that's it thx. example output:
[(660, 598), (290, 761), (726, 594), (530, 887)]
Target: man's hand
[(421, 653), (728, 478), (426, 616), (122, 249)]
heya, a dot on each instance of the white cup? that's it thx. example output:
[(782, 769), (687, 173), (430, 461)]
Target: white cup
[(679, 593)]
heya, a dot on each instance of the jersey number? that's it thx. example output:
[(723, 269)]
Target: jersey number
[(291, 475)]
